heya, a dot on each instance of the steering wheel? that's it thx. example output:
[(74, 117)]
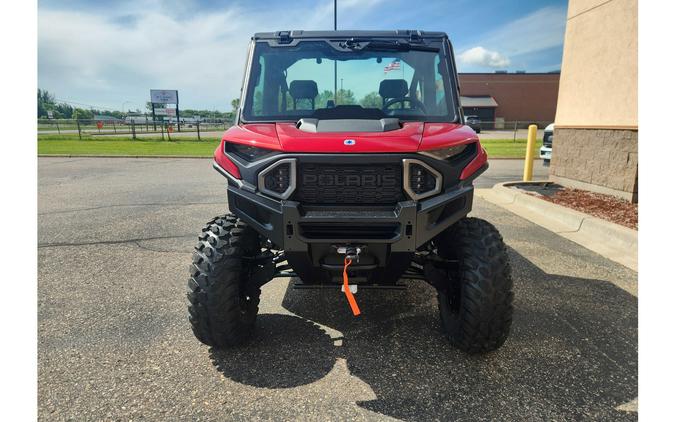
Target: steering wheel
[(414, 103)]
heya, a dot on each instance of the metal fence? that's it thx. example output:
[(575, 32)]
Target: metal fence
[(133, 128), (499, 129), (511, 125), (508, 130)]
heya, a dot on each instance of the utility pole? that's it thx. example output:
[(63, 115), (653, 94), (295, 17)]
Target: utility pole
[(177, 113), (335, 61)]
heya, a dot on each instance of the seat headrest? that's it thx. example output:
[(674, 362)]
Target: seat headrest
[(303, 89), (393, 88)]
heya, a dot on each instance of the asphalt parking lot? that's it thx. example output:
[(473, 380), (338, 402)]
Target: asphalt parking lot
[(115, 239)]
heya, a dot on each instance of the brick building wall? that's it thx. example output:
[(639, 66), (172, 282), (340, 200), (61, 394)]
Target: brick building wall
[(595, 142), (520, 96), (602, 160)]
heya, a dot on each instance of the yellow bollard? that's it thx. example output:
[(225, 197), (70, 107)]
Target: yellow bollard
[(529, 153)]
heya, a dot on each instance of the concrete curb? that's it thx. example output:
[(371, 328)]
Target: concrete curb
[(613, 241), (121, 156)]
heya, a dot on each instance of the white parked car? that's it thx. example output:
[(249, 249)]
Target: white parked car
[(547, 145)]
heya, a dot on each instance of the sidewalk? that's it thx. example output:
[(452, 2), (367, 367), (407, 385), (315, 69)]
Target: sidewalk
[(610, 240)]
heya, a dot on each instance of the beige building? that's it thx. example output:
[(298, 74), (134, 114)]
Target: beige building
[(595, 143)]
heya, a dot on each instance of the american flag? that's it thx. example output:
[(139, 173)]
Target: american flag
[(395, 65)]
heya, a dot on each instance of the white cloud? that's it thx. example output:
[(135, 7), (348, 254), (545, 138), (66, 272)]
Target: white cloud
[(479, 56), (94, 59), (537, 31), (107, 58), (526, 40)]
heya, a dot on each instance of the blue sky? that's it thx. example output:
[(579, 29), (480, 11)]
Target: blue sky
[(110, 53)]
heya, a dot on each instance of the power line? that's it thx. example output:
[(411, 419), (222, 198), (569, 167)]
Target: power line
[(86, 105)]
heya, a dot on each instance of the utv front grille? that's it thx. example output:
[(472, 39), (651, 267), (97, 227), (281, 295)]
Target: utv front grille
[(349, 184), (344, 231)]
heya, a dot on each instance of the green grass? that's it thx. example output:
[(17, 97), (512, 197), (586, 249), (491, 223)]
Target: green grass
[(190, 146), (507, 148), (71, 145)]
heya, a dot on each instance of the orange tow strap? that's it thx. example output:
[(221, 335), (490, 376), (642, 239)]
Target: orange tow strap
[(348, 293)]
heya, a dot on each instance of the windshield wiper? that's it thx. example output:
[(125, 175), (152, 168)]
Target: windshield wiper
[(385, 45)]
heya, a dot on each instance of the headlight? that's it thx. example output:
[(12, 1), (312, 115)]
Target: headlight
[(247, 152), (278, 180), (420, 180), (445, 153)]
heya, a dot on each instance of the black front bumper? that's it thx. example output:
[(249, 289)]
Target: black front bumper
[(404, 227)]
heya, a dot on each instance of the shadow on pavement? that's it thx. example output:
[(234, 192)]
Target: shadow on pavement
[(286, 351), (572, 352)]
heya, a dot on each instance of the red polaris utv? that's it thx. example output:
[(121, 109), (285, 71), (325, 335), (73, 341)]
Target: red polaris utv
[(349, 162)]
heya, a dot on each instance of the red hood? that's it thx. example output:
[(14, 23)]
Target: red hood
[(413, 136), (406, 139)]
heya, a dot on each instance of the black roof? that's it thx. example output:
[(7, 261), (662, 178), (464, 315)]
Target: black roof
[(399, 33)]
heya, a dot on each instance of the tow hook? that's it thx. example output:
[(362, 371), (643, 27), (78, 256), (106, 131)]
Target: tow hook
[(351, 253)]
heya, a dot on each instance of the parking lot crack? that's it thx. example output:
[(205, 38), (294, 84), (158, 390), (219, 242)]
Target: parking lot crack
[(149, 249), (154, 204), (112, 242)]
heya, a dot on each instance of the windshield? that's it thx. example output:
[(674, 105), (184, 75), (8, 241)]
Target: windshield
[(313, 79)]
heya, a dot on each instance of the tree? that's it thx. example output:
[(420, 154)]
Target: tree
[(235, 104), (42, 111), (45, 96), (148, 105), (64, 111), (371, 100), (82, 114), (323, 98), (45, 102), (344, 97)]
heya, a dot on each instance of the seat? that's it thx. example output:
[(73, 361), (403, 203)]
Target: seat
[(303, 90), (393, 88)]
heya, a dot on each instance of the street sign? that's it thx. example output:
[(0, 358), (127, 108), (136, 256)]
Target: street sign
[(170, 111), (99, 124), (161, 112), (164, 96), (50, 114)]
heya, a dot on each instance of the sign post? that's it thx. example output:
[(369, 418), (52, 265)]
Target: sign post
[(177, 113), (164, 96)]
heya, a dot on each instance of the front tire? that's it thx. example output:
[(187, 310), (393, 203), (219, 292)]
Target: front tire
[(222, 308), (476, 306)]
